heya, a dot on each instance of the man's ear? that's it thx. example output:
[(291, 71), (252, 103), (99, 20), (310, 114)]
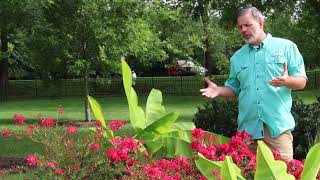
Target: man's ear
[(261, 24)]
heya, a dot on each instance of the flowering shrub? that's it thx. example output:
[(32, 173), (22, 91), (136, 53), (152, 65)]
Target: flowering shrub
[(238, 149), (92, 156)]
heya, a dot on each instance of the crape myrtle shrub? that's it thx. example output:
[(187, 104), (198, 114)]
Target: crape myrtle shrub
[(220, 116)]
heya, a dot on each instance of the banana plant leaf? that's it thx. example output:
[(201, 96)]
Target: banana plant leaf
[(268, 167), (96, 109), (228, 170), (162, 125), (154, 108), (312, 163), (206, 166)]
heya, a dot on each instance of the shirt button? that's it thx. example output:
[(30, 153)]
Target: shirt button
[(257, 76), (258, 89), (260, 116), (258, 102)]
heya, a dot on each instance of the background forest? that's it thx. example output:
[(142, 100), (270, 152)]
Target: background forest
[(55, 39)]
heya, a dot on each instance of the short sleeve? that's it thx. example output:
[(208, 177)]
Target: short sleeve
[(295, 62)]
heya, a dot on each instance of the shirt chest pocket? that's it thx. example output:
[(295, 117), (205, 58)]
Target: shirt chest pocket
[(274, 66), (243, 74)]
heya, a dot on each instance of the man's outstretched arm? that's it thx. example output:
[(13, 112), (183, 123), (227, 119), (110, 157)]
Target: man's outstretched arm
[(213, 90)]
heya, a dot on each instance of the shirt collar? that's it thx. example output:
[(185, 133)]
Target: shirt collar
[(265, 42)]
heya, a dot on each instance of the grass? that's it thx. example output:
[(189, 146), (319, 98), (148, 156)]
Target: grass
[(113, 108)]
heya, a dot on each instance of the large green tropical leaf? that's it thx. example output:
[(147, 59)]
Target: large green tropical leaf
[(206, 166), (181, 134), (268, 167), (228, 169), (183, 126), (175, 146), (126, 77), (154, 145), (162, 125), (136, 113), (154, 108), (312, 164), (96, 109)]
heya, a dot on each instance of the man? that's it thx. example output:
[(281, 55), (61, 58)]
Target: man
[(262, 74)]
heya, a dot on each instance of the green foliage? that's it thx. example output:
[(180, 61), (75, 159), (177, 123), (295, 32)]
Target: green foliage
[(96, 109), (227, 168), (220, 117), (153, 128), (268, 167), (307, 119), (312, 163)]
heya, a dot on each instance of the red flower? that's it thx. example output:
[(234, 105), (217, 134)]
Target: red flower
[(98, 123), (28, 132), (116, 124), (6, 133), (198, 133), (276, 155), (215, 172), (113, 154), (19, 119), (58, 172), (72, 130), (31, 160), (131, 162), (94, 147), (52, 165), (47, 122)]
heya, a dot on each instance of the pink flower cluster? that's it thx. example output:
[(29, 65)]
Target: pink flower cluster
[(122, 148), (237, 148), (171, 169), (72, 130), (116, 124), (6, 133), (19, 119), (49, 122)]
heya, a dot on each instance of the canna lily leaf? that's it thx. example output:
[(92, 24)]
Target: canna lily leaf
[(268, 167), (154, 107), (96, 109), (312, 163)]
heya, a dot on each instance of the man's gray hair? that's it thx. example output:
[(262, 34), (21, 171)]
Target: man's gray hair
[(253, 11)]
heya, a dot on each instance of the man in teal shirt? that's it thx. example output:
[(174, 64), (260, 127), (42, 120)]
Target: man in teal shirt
[(262, 74)]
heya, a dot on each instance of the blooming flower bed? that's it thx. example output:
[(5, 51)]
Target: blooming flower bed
[(94, 156)]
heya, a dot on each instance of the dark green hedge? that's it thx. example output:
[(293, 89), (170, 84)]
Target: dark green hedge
[(220, 116)]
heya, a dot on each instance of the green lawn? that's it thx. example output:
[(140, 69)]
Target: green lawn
[(113, 108)]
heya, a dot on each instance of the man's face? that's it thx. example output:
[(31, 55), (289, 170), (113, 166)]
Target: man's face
[(249, 28)]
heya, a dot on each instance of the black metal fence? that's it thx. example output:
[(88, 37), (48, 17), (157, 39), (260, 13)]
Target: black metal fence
[(173, 85)]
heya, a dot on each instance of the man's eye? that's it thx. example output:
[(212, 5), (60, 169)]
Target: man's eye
[(248, 25)]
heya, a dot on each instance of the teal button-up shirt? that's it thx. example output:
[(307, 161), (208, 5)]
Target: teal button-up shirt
[(251, 70)]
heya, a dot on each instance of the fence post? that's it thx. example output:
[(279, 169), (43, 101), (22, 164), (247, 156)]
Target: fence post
[(181, 85), (36, 89)]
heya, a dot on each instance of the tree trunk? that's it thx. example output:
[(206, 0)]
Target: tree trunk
[(4, 63), (87, 105)]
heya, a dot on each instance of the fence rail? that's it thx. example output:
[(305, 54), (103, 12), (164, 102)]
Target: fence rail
[(172, 85)]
